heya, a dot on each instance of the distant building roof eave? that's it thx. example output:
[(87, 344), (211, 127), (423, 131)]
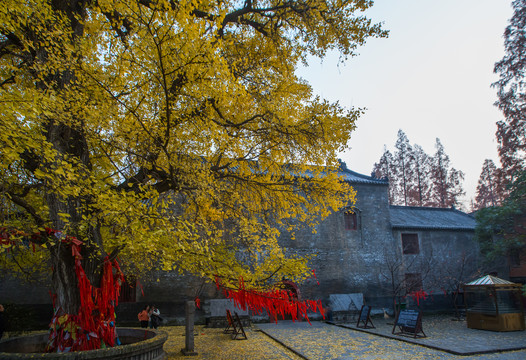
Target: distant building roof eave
[(353, 177), (427, 218), (423, 227)]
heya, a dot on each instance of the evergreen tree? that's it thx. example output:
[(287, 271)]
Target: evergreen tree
[(417, 179), (511, 131), (420, 184), (404, 160), (385, 168), (488, 188), (446, 181), (501, 229)]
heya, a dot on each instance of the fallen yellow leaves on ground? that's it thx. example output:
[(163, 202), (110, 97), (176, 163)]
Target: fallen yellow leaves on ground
[(212, 343)]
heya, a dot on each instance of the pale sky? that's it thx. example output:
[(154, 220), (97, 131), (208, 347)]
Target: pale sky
[(431, 78)]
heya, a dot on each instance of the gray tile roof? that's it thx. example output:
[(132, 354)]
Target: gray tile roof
[(356, 178), (352, 177), (425, 218)]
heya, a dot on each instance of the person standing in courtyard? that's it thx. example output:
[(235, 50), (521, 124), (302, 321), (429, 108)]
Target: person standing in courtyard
[(144, 317), (155, 318)]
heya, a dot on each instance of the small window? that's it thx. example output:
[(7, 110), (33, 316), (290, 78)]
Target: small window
[(350, 220), (410, 244), (413, 282), (515, 258)]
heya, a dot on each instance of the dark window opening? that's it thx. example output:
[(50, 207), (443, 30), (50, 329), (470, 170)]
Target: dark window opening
[(351, 222), (515, 258), (128, 290), (410, 244), (413, 282)]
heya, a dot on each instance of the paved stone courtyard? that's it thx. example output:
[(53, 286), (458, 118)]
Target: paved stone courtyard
[(446, 339), (446, 334)]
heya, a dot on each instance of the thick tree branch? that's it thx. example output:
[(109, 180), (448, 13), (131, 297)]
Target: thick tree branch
[(227, 122), (113, 255), (15, 198)]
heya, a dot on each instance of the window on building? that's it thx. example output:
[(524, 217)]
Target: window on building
[(413, 282), (128, 290), (515, 257), (410, 244), (351, 222)]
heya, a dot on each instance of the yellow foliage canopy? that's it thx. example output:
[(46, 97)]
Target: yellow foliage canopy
[(173, 133)]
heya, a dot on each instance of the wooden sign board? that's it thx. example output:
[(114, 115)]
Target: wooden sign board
[(409, 322), (365, 318)]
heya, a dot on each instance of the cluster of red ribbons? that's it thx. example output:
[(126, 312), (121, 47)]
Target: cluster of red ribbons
[(275, 302), (11, 238), (93, 327), (5, 238), (418, 295)]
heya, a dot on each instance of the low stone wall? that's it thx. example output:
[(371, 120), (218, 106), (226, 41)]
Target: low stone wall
[(137, 344)]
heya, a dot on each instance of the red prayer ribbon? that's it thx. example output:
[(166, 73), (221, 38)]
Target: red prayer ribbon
[(93, 327), (275, 302)]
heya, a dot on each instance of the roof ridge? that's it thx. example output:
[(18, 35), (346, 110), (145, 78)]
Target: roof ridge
[(343, 170), (415, 217), (428, 208)]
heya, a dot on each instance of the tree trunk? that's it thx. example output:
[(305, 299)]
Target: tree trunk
[(64, 279), (71, 143)]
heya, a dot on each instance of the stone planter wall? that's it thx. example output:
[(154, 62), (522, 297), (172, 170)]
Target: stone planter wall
[(137, 344)]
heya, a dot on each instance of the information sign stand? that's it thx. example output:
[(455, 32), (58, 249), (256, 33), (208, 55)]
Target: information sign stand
[(230, 327), (409, 323), (234, 326), (240, 330), (365, 318)]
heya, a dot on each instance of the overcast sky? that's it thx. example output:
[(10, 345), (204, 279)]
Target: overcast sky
[(431, 78)]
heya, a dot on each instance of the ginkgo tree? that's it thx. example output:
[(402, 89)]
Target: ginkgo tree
[(170, 134)]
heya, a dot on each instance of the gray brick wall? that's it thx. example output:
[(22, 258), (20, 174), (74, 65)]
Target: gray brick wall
[(347, 261)]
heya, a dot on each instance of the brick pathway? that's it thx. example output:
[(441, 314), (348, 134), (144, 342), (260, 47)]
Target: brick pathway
[(445, 340), (448, 335)]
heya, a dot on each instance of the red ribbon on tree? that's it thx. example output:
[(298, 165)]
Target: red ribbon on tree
[(275, 302), (93, 327), (420, 294)]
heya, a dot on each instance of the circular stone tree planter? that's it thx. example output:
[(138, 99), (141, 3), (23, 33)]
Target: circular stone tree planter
[(137, 344)]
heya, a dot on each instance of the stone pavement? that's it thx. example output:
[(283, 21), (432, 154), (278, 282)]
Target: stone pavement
[(446, 339)]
